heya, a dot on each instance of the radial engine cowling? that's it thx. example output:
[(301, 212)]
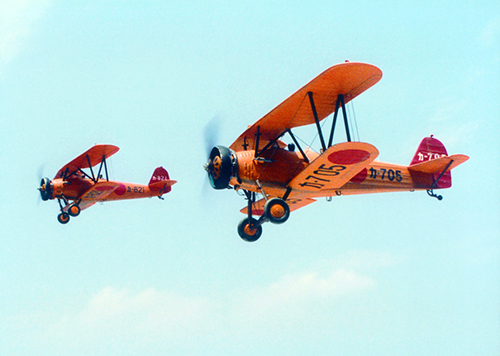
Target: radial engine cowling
[(45, 189), (221, 166)]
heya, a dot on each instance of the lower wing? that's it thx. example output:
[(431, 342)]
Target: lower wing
[(334, 167)]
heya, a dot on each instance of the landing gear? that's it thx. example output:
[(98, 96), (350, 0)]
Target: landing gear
[(434, 195), (276, 210), (63, 218), (249, 230), (67, 210), (431, 190)]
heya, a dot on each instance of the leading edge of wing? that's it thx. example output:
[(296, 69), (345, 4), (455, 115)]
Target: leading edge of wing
[(334, 167), (349, 79), (95, 153)]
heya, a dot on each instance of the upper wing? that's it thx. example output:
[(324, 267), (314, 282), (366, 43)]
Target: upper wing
[(99, 191), (293, 203), (334, 167), (349, 79), (95, 156), (439, 164)]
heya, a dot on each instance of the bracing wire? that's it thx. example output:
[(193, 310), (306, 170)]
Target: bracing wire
[(354, 122)]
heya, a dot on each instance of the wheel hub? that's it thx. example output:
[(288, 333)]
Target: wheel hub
[(277, 211)]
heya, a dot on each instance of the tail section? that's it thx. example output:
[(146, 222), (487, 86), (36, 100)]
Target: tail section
[(429, 149), (432, 158), (160, 182)]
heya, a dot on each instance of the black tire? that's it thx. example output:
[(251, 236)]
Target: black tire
[(249, 235), (276, 210), (63, 218), (74, 210)]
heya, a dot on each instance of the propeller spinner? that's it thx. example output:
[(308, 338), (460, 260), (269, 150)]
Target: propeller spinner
[(45, 189)]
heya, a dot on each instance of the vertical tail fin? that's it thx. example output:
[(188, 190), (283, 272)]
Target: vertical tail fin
[(161, 181), (428, 150)]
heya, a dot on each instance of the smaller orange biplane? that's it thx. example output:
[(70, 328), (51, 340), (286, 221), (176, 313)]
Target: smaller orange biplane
[(76, 190)]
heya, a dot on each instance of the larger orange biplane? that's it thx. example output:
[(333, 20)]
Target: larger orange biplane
[(76, 190), (289, 177)]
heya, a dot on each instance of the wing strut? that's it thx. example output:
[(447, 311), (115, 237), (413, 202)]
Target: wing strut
[(340, 103), (298, 145), (103, 163), (90, 167), (257, 139), (316, 119), (272, 142)]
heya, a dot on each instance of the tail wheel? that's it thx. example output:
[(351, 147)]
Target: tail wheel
[(276, 210), (74, 210), (248, 230), (63, 218)]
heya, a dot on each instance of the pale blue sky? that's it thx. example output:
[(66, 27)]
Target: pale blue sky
[(386, 274)]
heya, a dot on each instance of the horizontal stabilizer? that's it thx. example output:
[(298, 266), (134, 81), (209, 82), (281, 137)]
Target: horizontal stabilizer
[(164, 183), (438, 165)]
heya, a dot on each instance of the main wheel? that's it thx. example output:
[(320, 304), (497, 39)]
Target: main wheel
[(74, 210), (276, 210), (247, 233), (63, 218)]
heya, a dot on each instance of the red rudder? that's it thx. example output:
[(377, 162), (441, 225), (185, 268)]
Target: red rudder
[(160, 175), (429, 149)]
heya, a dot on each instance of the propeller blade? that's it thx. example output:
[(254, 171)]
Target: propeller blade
[(211, 133)]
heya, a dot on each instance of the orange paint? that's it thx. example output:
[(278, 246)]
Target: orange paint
[(77, 190), (259, 161)]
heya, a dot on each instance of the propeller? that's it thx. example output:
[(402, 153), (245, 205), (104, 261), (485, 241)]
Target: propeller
[(219, 164), (39, 178), (211, 133)]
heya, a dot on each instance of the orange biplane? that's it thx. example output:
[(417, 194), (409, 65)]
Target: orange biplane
[(289, 177), (77, 190)]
